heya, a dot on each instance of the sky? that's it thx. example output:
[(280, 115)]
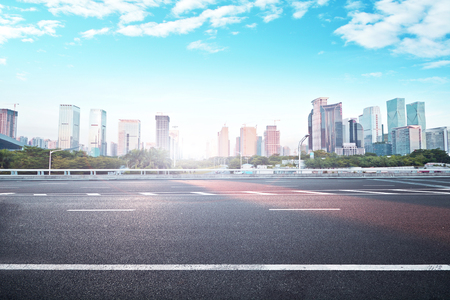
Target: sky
[(210, 63)]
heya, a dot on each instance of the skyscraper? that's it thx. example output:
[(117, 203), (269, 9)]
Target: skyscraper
[(97, 133), (69, 126), (8, 122), (272, 140), (162, 132), (438, 138), (223, 142), (406, 139), (316, 134), (356, 133), (332, 126), (248, 141), (129, 136), (371, 123), (395, 114), (415, 113)]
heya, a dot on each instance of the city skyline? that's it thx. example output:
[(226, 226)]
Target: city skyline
[(207, 63)]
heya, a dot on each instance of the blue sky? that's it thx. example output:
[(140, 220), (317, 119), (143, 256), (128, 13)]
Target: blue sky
[(207, 63)]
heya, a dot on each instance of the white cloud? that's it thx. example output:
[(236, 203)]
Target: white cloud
[(30, 40), (89, 34), (375, 74), (2, 61), (235, 33), (417, 27), (435, 79), (205, 47), (183, 6), (321, 52), (436, 64), (211, 32), (22, 76), (251, 25), (183, 26), (354, 5), (44, 27)]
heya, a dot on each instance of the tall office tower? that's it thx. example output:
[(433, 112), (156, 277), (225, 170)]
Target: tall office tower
[(174, 135), (438, 138), (8, 122), (371, 123), (272, 140), (332, 126), (406, 139), (23, 140), (162, 132), (51, 144), (395, 114), (97, 133), (129, 136), (415, 113), (356, 133), (69, 126), (315, 129), (346, 129), (259, 146), (223, 142), (237, 147), (248, 141), (286, 151), (113, 149)]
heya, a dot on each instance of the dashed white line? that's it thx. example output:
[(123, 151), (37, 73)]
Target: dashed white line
[(148, 194), (39, 194), (305, 209), (224, 267), (1, 194), (314, 193), (368, 192), (98, 209), (93, 194), (202, 193), (258, 193)]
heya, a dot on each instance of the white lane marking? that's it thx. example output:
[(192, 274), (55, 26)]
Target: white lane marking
[(379, 185), (202, 193), (39, 194), (418, 191), (368, 192), (148, 194), (222, 267), (305, 209), (98, 209), (93, 194), (258, 193), (311, 192), (7, 194), (414, 182)]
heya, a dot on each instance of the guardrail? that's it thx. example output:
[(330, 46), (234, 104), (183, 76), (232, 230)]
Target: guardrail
[(293, 172)]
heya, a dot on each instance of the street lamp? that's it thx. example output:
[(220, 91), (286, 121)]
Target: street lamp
[(300, 149), (50, 158)]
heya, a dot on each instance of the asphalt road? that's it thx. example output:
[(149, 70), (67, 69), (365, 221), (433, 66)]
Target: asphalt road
[(226, 239)]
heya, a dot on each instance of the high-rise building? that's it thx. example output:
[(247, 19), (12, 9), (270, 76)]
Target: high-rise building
[(8, 122), (174, 136), (113, 149), (356, 133), (332, 126), (97, 133), (237, 147), (23, 140), (286, 151), (69, 126), (371, 123), (129, 136), (438, 138), (395, 114), (248, 141), (406, 139), (259, 146), (316, 139), (223, 142), (272, 140), (415, 113), (162, 132)]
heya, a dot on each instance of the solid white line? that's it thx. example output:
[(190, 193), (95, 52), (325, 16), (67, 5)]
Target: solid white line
[(117, 209), (202, 193), (314, 193), (304, 209), (417, 191), (221, 267), (7, 194), (413, 182), (93, 194), (39, 194), (148, 194), (258, 193), (368, 192)]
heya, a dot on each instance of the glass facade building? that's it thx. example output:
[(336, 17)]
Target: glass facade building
[(272, 140), (395, 114), (406, 139), (332, 126), (438, 138), (248, 141), (415, 113), (371, 122), (315, 128), (162, 132), (97, 133), (8, 122), (129, 136), (69, 126), (223, 142)]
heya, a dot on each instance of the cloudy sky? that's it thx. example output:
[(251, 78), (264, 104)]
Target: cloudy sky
[(207, 63)]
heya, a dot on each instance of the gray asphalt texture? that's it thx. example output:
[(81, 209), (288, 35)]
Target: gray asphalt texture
[(175, 226)]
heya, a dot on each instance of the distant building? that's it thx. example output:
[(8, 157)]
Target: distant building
[(23, 140), (69, 126), (174, 137), (371, 124), (8, 122), (38, 142), (248, 141), (223, 142), (286, 151), (406, 139), (395, 114), (129, 136), (97, 133), (51, 144), (438, 138), (237, 147), (113, 149), (382, 149), (272, 140), (259, 146), (162, 132), (415, 113), (349, 149), (316, 138)]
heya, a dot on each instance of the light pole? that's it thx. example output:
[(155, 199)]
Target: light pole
[(300, 150), (50, 158)]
